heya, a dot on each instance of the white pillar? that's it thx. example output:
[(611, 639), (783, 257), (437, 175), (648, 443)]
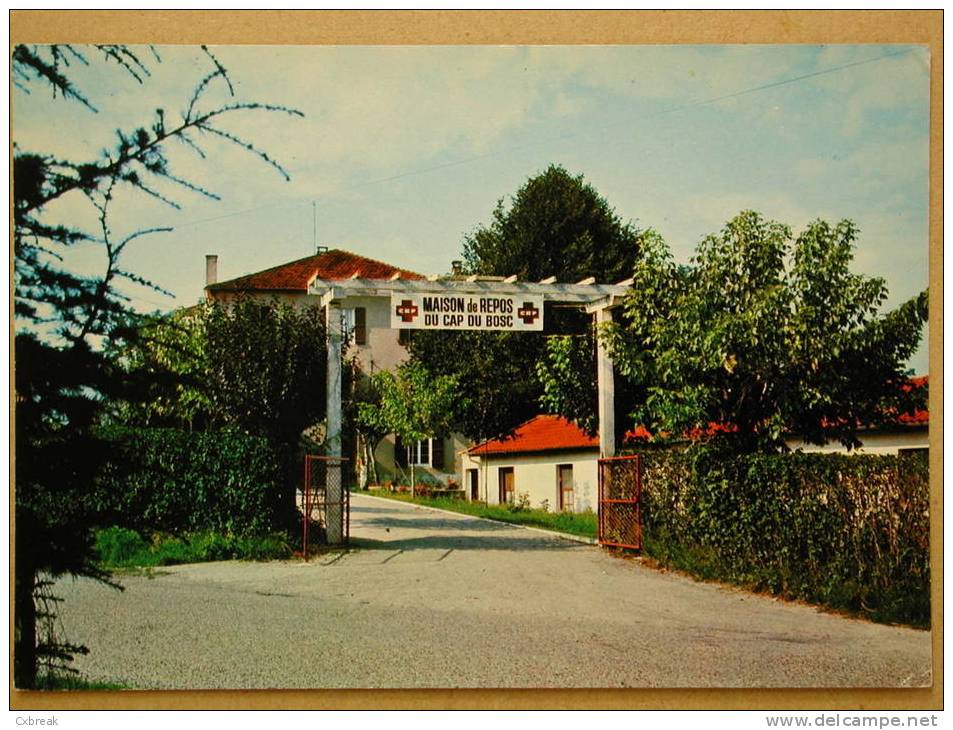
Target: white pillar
[(606, 384), (335, 474)]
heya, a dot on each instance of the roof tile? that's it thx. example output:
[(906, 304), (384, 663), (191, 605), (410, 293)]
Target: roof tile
[(543, 433), (296, 275)]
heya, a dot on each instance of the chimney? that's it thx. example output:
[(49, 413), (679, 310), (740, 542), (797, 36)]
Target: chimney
[(211, 269)]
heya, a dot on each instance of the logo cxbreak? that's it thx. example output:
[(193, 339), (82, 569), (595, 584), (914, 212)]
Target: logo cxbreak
[(407, 310)]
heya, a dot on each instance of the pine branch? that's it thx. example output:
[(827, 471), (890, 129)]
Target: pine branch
[(28, 60), (221, 70), (248, 146), (136, 279), (126, 59), (138, 234)]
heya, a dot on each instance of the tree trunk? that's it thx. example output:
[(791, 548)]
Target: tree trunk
[(361, 465), (24, 612), (372, 462)]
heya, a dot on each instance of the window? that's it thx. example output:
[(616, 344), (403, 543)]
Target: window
[(360, 326), (426, 452), (403, 337), (354, 324)]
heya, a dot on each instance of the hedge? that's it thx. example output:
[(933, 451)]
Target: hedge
[(179, 481), (847, 531)]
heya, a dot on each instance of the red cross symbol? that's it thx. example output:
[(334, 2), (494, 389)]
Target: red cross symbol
[(407, 310), (528, 313)]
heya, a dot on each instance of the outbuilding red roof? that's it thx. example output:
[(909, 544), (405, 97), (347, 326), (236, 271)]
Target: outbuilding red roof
[(296, 275), (543, 433)]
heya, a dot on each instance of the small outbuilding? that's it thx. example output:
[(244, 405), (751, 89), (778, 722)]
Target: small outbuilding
[(548, 461)]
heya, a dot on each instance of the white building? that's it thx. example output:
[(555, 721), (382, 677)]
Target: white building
[(548, 459)]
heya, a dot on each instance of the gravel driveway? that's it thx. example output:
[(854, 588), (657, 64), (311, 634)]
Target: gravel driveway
[(429, 599)]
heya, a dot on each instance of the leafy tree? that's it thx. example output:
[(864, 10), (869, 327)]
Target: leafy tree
[(62, 375), (267, 367), (556, 225), (765, 335), (411, 403), (568, 379), (252, 365)]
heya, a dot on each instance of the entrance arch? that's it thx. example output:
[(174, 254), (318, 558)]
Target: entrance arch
[(597, 300)]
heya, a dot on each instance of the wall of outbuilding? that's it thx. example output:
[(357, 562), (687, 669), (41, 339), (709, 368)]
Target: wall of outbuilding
[(536, 476)]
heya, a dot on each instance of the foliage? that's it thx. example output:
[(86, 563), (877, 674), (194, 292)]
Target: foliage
[(568, 380), (64, 317), (166, 365), (267, 367), (180, 481), (119, 547), (584, 524), (850, 532), (557, 225), (766, 335)]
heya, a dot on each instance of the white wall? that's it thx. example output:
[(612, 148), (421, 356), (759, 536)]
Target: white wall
[(874, 442), (536, 476), (382, 351)]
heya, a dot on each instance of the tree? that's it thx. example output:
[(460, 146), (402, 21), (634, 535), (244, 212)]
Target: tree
[(557, 225), (763, 336), (166, 365), (267, 367), (259, 366), (64, 319), (411, 403)]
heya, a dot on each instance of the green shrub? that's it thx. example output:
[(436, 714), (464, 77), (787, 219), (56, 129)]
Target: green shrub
[(848, 531), (164, 549), (180, 481), (116, 545)]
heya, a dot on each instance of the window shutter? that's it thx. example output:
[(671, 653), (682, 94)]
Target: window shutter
[(360, 326), (400, 453), (437, 455)]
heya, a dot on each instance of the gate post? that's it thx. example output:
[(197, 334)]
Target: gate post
[(606, 384), (334, 513)]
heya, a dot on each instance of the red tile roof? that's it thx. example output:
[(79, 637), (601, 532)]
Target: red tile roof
[(918, 417), (543, 433), (296, 275)]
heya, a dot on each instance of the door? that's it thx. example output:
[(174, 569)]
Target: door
[(507, 485), (564, 485), (474, 477)]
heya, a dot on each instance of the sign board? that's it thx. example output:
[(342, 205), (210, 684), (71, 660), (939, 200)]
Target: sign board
[(516, 313)]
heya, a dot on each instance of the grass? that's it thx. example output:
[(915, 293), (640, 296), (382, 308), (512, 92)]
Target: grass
[(119, 548), (584, 524), (72, 682)]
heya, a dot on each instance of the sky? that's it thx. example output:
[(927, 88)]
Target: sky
[(403, 150)]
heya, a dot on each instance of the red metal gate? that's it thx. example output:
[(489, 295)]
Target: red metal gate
[(620, 493), (320, 472)]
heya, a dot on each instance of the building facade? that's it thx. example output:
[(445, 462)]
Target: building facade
[(548, 462)]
